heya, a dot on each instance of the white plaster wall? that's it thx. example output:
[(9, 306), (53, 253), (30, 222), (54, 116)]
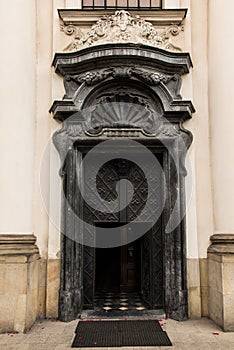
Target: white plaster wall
[(75, 4), (221, 97), (171, 4), (191, 208), (190, 180), (18, 106), (47, 186), (43, 122), (200, 124), (54, 203)]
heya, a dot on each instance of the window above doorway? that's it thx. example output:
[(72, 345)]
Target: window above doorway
[(121, 4)]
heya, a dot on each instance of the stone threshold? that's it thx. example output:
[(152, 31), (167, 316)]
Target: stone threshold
[(130, 315)]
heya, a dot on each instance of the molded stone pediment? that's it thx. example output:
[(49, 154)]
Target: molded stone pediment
[(124, 27), (156, 69)]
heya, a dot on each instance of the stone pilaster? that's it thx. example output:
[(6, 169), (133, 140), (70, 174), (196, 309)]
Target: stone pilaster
[(221, 280), (19, 269)]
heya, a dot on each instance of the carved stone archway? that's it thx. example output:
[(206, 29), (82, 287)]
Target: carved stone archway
[(151, 77)]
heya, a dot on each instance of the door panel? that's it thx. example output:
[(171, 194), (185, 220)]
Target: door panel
[(130, 265), (146, 269), (151, 267), (157, 268), (88, 276)]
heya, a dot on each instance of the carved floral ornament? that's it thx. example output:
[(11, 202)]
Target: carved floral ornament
[(93, 77), (122, 27)]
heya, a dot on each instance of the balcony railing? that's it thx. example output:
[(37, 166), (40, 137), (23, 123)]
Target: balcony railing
[(121, 4)]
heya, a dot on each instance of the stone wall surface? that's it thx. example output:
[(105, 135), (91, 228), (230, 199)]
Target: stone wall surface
[(19, 272), (221, 280)]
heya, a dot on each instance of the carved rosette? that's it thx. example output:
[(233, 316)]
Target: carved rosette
[(122, 27)]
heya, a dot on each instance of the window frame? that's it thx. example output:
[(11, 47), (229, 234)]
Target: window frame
[(116, 7)]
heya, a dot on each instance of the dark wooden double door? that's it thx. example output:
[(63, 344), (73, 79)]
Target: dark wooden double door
[(134, 265)]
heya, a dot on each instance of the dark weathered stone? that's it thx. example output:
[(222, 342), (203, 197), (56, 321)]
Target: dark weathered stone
[(154, 75)]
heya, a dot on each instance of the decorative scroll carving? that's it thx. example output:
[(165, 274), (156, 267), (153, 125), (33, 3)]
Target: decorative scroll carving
[(71, 83), (152, 78), (72, 130), (94, 77), (170, 131), (122, 27)]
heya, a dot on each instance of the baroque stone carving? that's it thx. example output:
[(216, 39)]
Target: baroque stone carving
[(86, 120), (170, 131), (122, 109), (151, 78), (90, 78), (122, 27)]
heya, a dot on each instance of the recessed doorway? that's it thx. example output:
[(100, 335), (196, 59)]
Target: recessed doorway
[(134, 264), (107, 271), (118, 269)]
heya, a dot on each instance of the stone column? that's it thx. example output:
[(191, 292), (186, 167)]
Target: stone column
[(221, 96), (18, 108), (18, 254)]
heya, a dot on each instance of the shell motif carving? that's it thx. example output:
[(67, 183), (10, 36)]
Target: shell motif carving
[(122, 27), (124, 110)]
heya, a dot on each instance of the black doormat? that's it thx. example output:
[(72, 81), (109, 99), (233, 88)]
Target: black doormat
[(120, 333)]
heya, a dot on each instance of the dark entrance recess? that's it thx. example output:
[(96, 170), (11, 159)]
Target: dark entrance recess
[(107, 268), (107, 271), (118, 269), (150, 78)]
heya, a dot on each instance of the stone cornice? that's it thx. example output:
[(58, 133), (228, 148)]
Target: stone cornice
[(224, 238), (11, 238), (69, 62), (18, 244), (222, 244), (156, 17)]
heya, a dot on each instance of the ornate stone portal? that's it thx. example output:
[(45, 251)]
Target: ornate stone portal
[(142, 76)]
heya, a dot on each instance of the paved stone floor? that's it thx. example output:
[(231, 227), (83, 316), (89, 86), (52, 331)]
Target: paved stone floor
[(53, 335)]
